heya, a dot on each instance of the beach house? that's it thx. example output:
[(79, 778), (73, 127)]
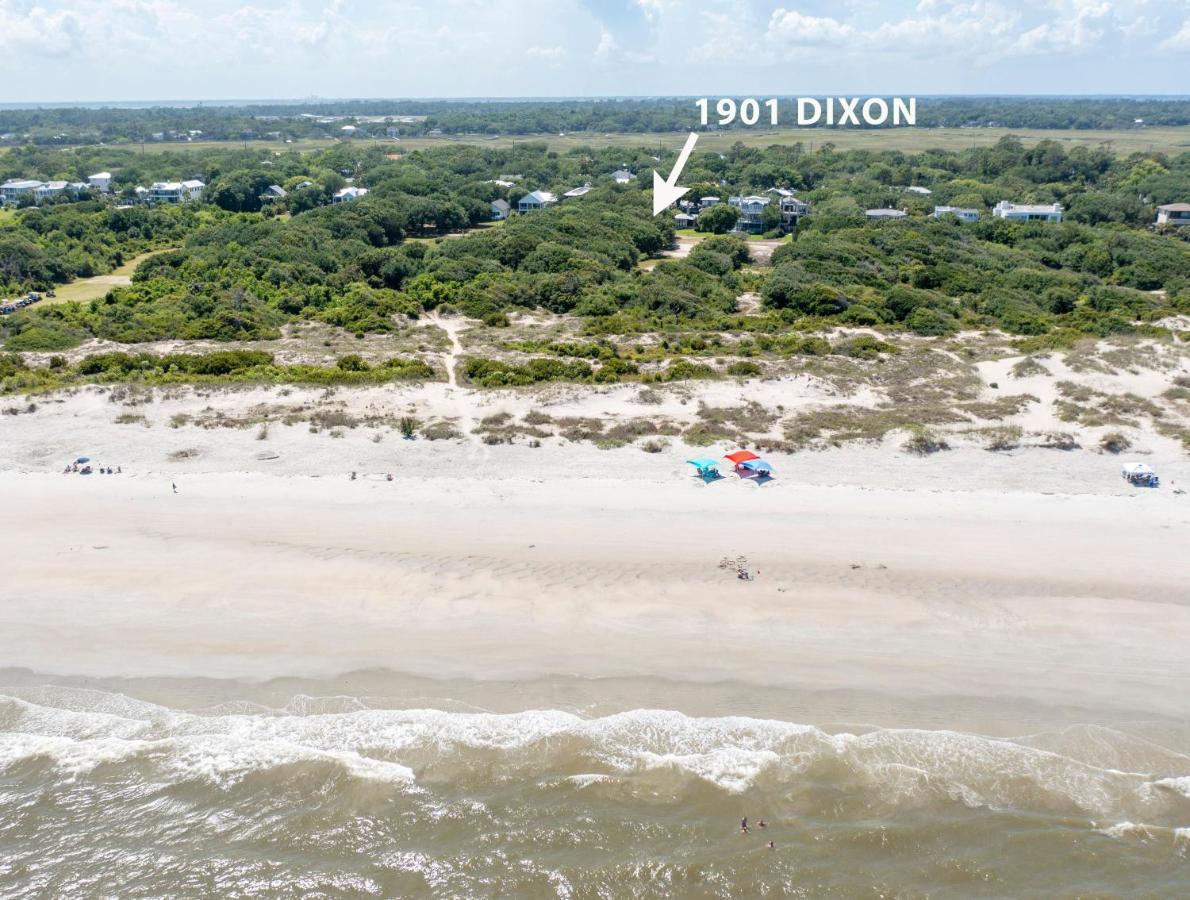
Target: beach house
[(579, 191), (792, 210), (17, 189), (500, 210), (961, 213), (622, 176), (1043, 212), (100, 181), (685, 220), (1173, 214), (884, 215), (174, 191), (274, 192), (347, 194), (751, 210), (535, 200)]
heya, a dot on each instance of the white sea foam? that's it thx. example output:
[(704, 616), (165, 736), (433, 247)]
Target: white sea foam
[(79, 732)]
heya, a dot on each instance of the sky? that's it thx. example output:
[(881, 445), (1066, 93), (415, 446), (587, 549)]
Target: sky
[(96, 50)]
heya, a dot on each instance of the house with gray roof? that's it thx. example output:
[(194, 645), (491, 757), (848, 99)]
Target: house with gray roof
[(535, 200)]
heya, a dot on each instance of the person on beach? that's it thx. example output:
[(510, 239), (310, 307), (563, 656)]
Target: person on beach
[(762, 824), (744, 825), (174, 486), (772, 846)]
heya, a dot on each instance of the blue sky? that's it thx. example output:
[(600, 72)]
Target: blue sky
[(91, 50)]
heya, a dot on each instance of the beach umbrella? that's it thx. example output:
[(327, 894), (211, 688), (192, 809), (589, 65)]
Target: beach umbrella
[(83, 459), (740, 456), (702, 464)]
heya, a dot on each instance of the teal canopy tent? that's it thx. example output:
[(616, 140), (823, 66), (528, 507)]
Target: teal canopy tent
[(704, 466)]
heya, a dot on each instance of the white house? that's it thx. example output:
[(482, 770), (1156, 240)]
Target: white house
[(500, 210), (622, 176), (1045, 212), (704, 202), (1173, 214), (535, 200), (884, 215), (347, 194), (174, 191), (12, 191), (915, 189), (685, 220), (960, 213), (50, 189), (100, 181)]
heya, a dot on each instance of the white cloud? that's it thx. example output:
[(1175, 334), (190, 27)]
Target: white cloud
[(1180, 40), (792, 28), (150, 49), (549, 53), (1077, 25), (606, 46)]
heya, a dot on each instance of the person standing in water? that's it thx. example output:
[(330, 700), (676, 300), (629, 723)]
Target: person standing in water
[(744, 825)]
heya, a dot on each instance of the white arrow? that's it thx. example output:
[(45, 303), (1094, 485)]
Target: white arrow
[(666, 191)]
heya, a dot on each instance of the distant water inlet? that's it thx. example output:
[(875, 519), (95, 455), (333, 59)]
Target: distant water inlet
[(101, 794)]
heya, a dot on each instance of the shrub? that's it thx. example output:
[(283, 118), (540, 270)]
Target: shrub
[(1114, 442), (352, 363), (1007, 437), (923, 442), (441, 431), (863, 346), (744, 368), (408, 426)]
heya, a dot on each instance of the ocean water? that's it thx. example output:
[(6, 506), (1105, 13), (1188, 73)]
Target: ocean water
[(103, 793)]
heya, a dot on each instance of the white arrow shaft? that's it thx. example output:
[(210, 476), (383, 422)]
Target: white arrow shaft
[(682, 157)]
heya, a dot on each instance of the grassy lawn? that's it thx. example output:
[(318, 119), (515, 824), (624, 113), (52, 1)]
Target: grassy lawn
[(86, 289), (7, 215)]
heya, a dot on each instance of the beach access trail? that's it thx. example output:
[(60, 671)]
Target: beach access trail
[(1072, 599)]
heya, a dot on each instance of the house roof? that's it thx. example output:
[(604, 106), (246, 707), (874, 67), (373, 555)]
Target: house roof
[(18, 184), (620, 174), (101, 175), (501, 205), (539, 197), (578, 191), (192, 183), (915, 189), (1029, 207), (885, 213), (1175, 207)]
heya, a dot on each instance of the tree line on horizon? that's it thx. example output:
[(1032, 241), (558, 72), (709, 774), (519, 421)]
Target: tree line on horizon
[(69, 125)]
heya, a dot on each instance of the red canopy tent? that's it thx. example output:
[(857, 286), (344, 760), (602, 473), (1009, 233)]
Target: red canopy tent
[(741, 456)]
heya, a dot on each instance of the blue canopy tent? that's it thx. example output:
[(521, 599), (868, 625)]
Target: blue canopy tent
[(707, 468), (757, 468)]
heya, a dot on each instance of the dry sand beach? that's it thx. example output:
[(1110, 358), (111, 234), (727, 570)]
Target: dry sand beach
[(943, 661)]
